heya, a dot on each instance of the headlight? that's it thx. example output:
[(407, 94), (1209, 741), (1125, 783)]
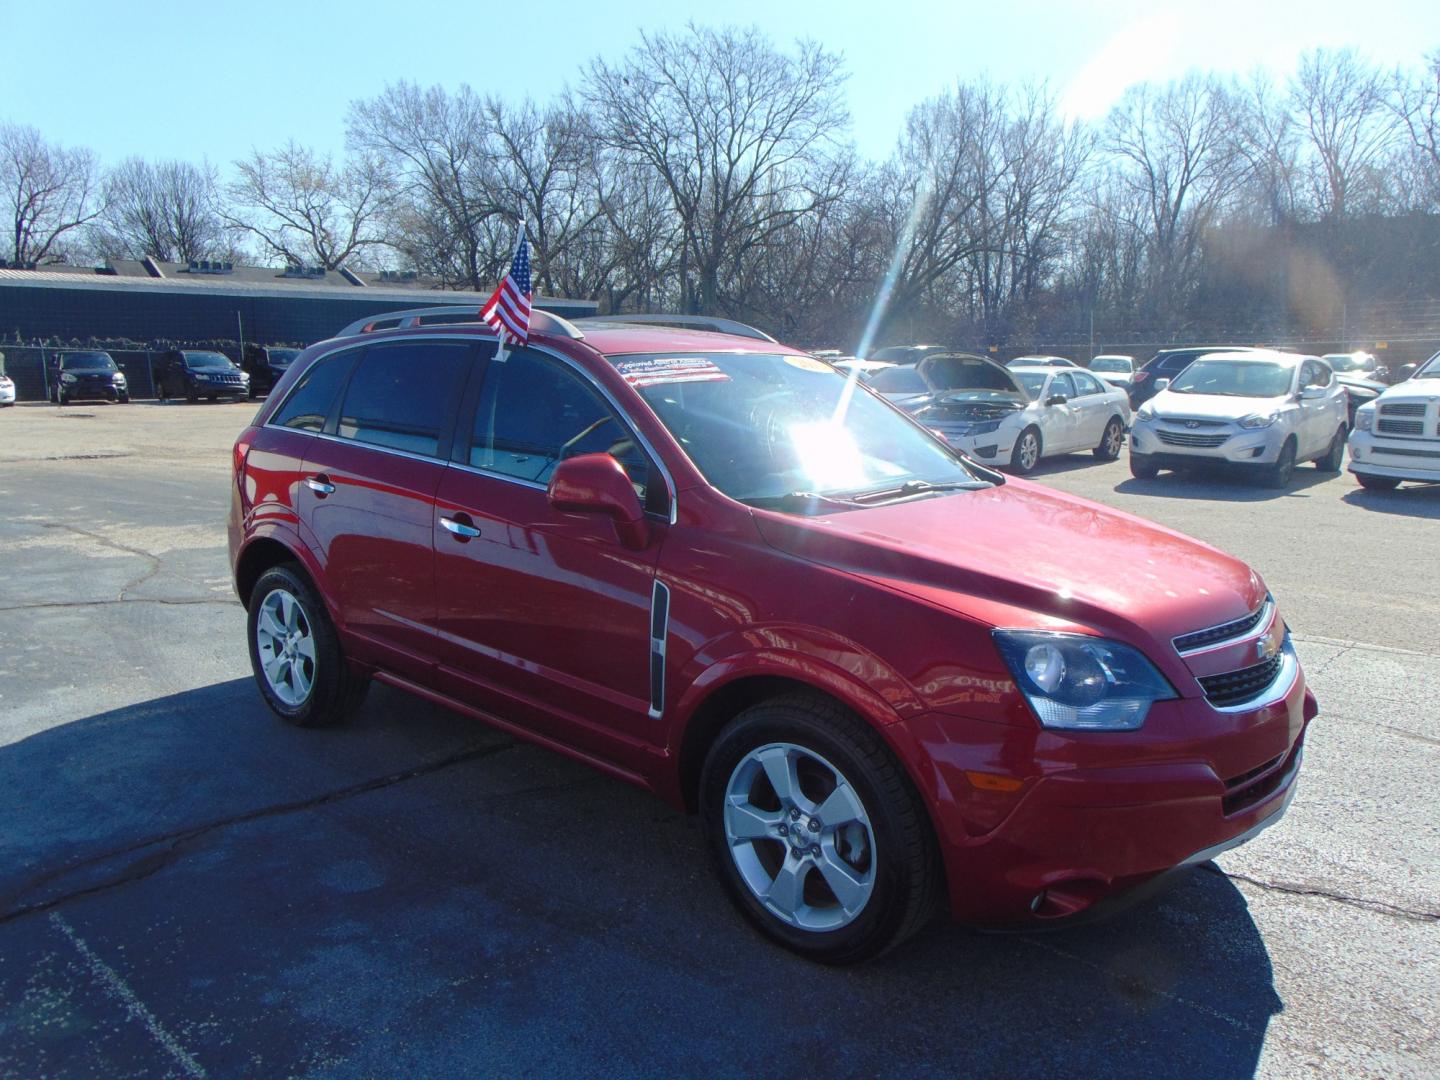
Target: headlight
[(65, 376), (120, 377), (985, 428), (1082, 683), (1255, 420), (1146, 415), (1364, 418)]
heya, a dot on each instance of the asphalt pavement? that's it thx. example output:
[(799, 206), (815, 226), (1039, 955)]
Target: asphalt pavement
[(190, 887)]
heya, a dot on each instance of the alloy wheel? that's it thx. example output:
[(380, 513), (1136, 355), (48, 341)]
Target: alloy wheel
[(1114, 439), (285, 640), (800, 836), (1029, 451)]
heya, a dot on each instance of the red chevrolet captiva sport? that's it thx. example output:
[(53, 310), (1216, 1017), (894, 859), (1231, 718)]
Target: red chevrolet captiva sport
[(886, 677)]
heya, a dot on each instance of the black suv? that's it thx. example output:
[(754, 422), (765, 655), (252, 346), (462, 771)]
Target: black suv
[(195, 373), (1168, 363), (80, 376), (265, 364)]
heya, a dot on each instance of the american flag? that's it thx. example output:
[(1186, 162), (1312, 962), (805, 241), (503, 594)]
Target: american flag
[(508, 309)]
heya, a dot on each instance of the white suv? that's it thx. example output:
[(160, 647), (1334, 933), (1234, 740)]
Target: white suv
[(1397, 436), (1265, 410)]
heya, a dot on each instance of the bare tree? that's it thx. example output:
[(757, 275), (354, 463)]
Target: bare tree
[(1341, 103), (737, 131), (435, 145), (1416, 101), (166, 210), (307, 210), (48, 192), (1267, 137), (1174, 149)]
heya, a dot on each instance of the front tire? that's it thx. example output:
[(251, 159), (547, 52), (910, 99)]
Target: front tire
[(1377, 483), (1142, 468), (296, 655), (816, 832), (1278, 475), (1335, 456), (1026, 454), (1111, 441)]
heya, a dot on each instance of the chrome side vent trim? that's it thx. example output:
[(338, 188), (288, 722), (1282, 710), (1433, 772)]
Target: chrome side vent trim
[(659, 630)]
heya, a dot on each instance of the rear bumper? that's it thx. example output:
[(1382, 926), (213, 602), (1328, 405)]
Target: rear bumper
[(1079, 836)]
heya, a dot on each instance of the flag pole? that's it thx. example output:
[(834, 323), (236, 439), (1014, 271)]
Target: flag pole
[(502, 353)]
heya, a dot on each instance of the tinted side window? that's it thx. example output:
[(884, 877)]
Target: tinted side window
[(1315, 374), (401, 395), (533, 413), (1086, 384), (1062, 384), (309, 403)]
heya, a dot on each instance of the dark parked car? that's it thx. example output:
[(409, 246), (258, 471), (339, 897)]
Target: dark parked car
[(906, 354), (265, 364), (1167, 363), (87, 376), (724, 571), (196, 373)]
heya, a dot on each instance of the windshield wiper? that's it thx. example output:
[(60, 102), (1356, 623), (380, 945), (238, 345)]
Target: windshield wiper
[(912, 488), (793, 499)]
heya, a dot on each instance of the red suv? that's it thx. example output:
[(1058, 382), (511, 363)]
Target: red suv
[(725, 571)]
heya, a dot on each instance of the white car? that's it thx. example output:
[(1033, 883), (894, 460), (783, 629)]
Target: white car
[(7, 391), (1267, 411), (1397, 436), (1012, 417), (1115, 369)]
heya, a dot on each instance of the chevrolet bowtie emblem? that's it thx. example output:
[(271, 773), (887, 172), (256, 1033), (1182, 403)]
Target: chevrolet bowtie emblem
[(1267, 646)]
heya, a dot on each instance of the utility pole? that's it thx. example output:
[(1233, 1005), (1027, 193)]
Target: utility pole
[(1092, 331)]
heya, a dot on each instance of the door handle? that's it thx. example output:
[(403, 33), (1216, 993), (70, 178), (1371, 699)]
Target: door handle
[(320, 485), (462, 530)]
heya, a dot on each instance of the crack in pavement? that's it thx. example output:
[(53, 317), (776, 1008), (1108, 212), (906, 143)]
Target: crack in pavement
[(177, 601), (1378, 906), (176, 839), (117, 546)]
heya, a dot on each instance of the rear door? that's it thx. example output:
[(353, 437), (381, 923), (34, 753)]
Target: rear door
[(367, 495), (546, 616)]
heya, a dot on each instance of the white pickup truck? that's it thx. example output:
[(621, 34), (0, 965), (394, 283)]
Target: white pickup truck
[(1397, 436)]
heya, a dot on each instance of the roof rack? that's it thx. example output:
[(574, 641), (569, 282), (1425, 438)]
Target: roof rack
[(695, 322), (454, 315)]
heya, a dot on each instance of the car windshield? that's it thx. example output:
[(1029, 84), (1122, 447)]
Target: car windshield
[(282, 357), (1032, 381), (770, 429), (899, 380), (1107, 363), (1345, 362), (1430, 370), (1234, 378), (88, 362), (207, 361)]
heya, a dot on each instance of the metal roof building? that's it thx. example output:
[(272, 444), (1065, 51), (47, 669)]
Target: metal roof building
[(148, 301)]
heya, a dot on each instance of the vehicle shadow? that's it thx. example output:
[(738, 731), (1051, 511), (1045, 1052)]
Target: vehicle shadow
[(1228, 484), (1410, 500), (416, 893)]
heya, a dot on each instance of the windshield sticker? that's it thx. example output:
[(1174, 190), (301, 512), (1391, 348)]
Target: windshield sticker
[(667, 370), (807, 363)]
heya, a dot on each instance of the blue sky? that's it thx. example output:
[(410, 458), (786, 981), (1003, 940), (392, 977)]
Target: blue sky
[(211, 80)]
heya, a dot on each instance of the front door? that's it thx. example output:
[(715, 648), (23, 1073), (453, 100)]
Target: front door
[(544, 616)]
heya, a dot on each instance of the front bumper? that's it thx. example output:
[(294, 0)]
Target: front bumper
[(94, 390), (1260, 446), (1038, 826), (1397, 458), (7, 395)]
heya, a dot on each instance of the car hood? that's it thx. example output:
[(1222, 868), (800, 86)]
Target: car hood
[(1024, 555), (1412, 390), (1212, 406), (1360, 381), (1117, 377)]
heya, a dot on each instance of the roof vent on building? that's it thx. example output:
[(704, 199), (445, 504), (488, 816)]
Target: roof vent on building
[(399, 275), (293, 271)]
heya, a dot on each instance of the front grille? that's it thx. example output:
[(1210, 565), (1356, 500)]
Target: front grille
[(1247, 789), (1233, 687), (1404, 408), (1196, 422), (1185, 438), (1224, 632), (1401, 427), (1403, 452)]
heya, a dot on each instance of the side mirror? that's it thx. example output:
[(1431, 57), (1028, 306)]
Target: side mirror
[(1161, 384), (597, 484), (1056, 399)]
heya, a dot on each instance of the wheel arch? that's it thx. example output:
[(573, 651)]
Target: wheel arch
[(264, 552)]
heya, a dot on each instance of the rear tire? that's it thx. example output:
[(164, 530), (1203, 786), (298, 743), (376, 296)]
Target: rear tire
[(856, 818), (295, 652), (1026, 454), (190, 395), (1335, 456), (1377, 483), (1111, 440)]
